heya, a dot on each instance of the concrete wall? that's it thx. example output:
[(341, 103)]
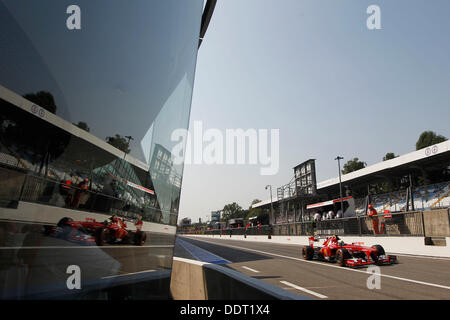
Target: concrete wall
[(437, 223), (187, 281), (400, 245), (195, 280)]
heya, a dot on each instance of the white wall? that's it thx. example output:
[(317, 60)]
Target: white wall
[(399, 245)]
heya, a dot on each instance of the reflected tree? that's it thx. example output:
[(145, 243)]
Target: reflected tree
[(121, 143), (32, 138), (82, 125), (43, 99)]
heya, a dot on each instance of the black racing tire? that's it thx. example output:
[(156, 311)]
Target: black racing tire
[(101, 236), (64, 221), (126, 240), (380, 249), (380, 252), (48, 230), (341, 256), (308, 253), (139, 238)]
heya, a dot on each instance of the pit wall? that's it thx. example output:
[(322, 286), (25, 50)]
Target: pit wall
[(393, 245), (196, 280), (44, 214)]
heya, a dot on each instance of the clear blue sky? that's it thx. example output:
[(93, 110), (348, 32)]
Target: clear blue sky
[(312, 69)]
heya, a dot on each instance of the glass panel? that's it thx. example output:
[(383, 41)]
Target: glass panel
[(84, 114)]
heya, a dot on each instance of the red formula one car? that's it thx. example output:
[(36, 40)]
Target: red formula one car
[(346, 255), (91, 232)]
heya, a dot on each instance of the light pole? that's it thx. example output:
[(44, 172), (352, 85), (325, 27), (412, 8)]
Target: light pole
[(271, 205), (338, 158)]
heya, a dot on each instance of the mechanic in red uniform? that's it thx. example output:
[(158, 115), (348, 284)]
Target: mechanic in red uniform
[(138, 224), (372, 213), (83, 186)]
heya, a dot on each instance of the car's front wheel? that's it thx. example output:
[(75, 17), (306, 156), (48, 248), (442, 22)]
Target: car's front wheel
[(139, 238), (379, 252), (101, 236), (341, 256)]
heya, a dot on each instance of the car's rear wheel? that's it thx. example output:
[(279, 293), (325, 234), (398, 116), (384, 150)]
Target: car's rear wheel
[(308, 253)]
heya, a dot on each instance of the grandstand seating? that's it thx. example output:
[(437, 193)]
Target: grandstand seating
[(425, 197)]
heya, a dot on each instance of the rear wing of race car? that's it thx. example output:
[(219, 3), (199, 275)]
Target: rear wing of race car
[(317, 238)]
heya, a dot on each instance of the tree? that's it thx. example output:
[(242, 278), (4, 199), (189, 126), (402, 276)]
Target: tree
[(389, 156), (43, 99), (82, 125), (429, 138), (119, 142), (253, 212), (51, 141), (353, 165), (232, 211)]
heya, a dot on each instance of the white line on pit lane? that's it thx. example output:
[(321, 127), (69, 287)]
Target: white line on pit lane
[(337, 267), (304, 290), (250, 269), (127, 274), (420, 257), (86, 247)]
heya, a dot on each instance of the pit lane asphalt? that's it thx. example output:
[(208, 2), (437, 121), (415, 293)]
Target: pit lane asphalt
[(412, 278), (47, 258)]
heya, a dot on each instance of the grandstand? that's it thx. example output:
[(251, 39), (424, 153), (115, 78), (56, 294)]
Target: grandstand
[(417, 180)]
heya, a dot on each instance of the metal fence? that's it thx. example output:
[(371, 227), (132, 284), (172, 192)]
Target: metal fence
[(399, 224)]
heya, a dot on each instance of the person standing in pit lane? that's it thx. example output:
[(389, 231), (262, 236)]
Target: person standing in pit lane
[(373, 214)]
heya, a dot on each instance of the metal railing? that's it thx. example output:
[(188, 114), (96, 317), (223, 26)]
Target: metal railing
[(399, 224)]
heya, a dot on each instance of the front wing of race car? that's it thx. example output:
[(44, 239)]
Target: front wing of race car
[(381, 260), (70, 234)]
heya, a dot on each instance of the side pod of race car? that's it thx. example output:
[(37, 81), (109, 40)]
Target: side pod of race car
[(91, 232), (346, 255)]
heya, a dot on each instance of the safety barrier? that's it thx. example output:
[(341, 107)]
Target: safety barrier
[(416, 223)]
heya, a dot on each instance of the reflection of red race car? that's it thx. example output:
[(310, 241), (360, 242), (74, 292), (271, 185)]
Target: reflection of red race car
[(346, 255), (91, 232)]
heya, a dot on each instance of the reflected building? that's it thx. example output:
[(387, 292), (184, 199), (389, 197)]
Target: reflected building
[(67, 196)]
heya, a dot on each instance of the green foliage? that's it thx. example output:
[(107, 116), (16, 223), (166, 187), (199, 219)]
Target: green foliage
[(389, 156), (254, 212), (429, 138), (233, 211), (353, 165), (43, 99), (119, 142), (82, 125)]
